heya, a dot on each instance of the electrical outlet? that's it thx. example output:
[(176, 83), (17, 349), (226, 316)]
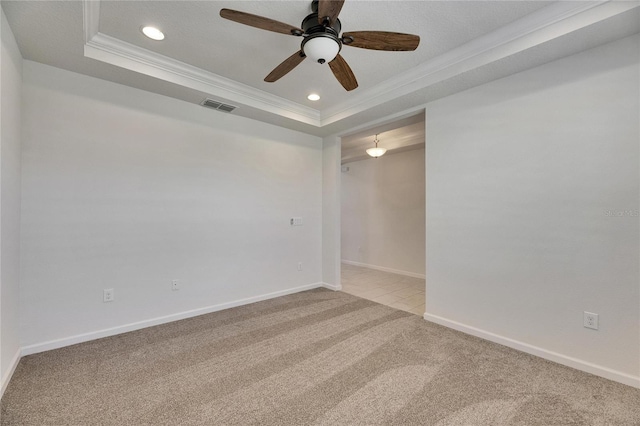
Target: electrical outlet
[(175, 285), (590, 320), (299, 266), (108, 295)]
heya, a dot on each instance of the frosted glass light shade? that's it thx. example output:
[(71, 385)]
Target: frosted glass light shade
[(376, 152), (321, 49)]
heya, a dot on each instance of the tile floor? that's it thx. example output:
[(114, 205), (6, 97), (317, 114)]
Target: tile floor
[(394, 290)]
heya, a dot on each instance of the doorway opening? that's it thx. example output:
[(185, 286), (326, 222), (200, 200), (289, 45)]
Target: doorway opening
[(383, 215)]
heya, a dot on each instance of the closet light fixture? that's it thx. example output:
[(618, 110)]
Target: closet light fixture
[(376, 152)]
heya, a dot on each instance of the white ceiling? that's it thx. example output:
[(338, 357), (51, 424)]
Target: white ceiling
[(198, 36), (463, 43)]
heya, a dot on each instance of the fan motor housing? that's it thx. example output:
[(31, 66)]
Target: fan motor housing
[(310, 25), (313, 29)]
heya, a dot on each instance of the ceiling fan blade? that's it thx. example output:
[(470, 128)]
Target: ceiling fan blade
[(381, 40), (343, 73), (329, 9), (260, 22), (287, 65)]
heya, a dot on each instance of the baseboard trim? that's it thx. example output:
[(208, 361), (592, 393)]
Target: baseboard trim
[(334, 287), (578, 364), (85, 337), (385, 269), (7, 377)]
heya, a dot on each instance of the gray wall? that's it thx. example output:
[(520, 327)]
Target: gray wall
[(383, 213), (10, 139), (129, 190), (532, 208)]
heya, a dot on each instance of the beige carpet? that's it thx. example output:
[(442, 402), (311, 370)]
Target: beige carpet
[(317, 357)]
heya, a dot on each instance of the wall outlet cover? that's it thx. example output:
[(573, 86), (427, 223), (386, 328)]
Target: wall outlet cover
[(108, 295), (590, 320)]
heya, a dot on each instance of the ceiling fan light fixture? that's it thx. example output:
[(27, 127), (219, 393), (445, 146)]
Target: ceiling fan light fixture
[(153, 33), (376, 152), (321, 41), (321, 48)]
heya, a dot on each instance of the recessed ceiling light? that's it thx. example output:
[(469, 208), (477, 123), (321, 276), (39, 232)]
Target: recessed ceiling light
[(313, 97), (153, 33)]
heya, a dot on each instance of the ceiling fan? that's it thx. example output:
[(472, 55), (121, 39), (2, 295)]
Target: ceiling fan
[(321, 40)]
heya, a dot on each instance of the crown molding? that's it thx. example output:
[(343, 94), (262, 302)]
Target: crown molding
[(117, 52), (538, 27), (125, 55), (90, 18)]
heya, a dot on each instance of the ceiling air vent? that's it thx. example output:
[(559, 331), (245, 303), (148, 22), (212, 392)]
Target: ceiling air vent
[(210, 103)]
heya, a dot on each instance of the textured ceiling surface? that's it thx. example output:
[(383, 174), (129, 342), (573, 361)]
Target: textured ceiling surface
[(52, 32), (197, 35)]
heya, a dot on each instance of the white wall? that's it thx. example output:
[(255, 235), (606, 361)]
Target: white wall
[(10, 87), (128, 190), (331, 211), (521, 176), (383, 212)]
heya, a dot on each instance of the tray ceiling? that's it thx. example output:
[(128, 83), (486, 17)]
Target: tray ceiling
[(204, 55)]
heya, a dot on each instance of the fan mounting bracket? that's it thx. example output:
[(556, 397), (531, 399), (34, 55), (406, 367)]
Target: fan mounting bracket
[(310, 25)]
